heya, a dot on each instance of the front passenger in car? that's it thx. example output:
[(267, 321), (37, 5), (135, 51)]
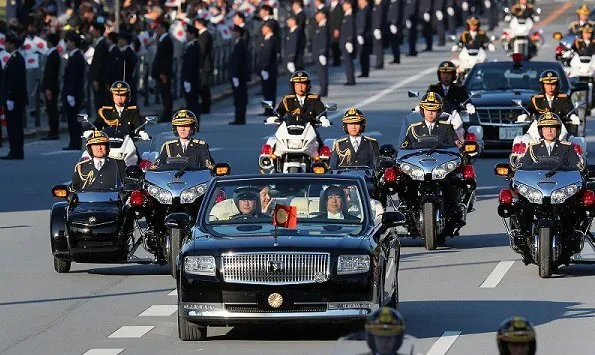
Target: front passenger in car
[(333, 205)]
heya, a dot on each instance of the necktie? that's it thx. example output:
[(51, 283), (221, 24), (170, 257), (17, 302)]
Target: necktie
[(183, 148), (355, 145), (549, 149), (430, 129), (98, 165)]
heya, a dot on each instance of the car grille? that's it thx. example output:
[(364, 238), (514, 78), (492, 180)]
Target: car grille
[(276, 268), (498, 115), (295, 308)]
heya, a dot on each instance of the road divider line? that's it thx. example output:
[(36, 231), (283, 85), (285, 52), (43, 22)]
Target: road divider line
[(56, 152), (103, 351), (173, 293), (497, 274), (159, 310), (444, 343), (131, 331), (554, 15)]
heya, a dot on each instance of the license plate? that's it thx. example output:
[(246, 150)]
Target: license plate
[(509, 133)]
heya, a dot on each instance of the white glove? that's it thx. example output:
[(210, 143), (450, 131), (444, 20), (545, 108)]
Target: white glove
[(439, 15), (470, 108), (322, 60), (9, 105), (87, 134), (408, 23), (271, 120), (465, 6), (70, 100), (187, 86), (360, 40), (427, 17), (454, 48), (416, 108), (291, 67), (264, 74), (487, 4), (324, 122), (567, 54), (236, 82), (536, 18), (450, 11), (393, 29), (522, 117), (378, 34), (507, 18), (143, 135), (575, 120), (491, 47), (349, 47)]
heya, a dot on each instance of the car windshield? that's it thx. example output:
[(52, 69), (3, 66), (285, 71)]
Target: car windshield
[(178, 163), (548, 163), (509, 78), (317, 201)]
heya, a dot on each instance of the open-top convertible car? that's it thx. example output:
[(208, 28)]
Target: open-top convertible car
[(329, 257)]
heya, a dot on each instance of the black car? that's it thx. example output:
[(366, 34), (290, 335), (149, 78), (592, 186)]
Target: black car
[(338, 263), (502, 83)]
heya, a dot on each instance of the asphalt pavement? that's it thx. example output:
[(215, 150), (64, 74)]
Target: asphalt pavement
[(453, 299)]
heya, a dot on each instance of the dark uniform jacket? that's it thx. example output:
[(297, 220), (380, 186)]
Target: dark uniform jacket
[(238, 63), (344, 155), (321, 42), (335, 18), (445, 132), (575, 27), (86, 177), (191, 65), (457, 94), (582, 48), (561, 105), (294, 48), (519, 12), (268, 56), (125, 64), (205, 41), (125, 124), (348, 33), (111, 69), (290, 104), (481, 40), (164, 58), (98, 66), (560, 149), (51, 72), (74, 78), (197, 152), (14, 81), (363, 22)]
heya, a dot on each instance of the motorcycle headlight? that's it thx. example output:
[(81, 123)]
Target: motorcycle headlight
[(295, 143), (353, 264), (200, 265), (415, 172), (190, 195), (444, 169), (163, 196), (562, 194), (531, 194)]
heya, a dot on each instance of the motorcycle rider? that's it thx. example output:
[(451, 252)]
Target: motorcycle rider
[(550, 100), (101, 171), (523, 10), (474, 38), (584, 46), (122, 118), (184, 124), (516, 336), (385, 330), (355, 149), (454, 94), (549, 126), (583, 14)]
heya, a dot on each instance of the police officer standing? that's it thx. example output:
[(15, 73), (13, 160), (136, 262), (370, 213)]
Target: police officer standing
[(355, 149), (268, 64), (320, 51), (98, 66), (111, 69), (347, 41), (335, 22), (238, 71), (50, 85), (425, 11), (73, 89), (162, 69), (364, 37), (294, 46), (411, 22), (439, 22), (205, 41), (126, 63), (378, 22), (395, 28), (191, 72), (14, 96)]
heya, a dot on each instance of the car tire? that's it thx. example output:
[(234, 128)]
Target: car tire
[(188, 331), (61, 266), (175, 239)]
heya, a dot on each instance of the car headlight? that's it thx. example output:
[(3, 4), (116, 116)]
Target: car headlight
[(440, 172), (191, 194), (295, 143), (531, 194), (163, 196), (200, 265), (562, 194), (415, 172), (353, 264)]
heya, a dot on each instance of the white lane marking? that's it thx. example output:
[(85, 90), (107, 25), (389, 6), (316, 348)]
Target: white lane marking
[(386, 91), (56, 152), (215, 149), (131, 331), (159, 310), (173, 293), (444, 343), (103, 351), (497, 275)]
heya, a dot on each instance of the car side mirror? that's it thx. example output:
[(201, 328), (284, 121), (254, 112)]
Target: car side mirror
[(413, 93), (267, 105), (179, 220), (151, 119), (393, 219), (331, 107), (502, 169), (134, 172)]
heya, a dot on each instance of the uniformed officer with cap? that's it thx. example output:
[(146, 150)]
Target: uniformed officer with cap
[(191, 72), (320, 50), (355, 149), (73, 88), (101, 171), (583, 14), (584, 46), (523, 10), (454, 94), (294, 46), (379, 14), (516, 335), (474, 37), (197, 151), (238, 71)]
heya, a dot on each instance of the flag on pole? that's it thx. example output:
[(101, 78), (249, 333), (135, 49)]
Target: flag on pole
[(285, 216)]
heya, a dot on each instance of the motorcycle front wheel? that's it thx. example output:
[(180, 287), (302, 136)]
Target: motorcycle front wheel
[(429, 226), (546, 264)]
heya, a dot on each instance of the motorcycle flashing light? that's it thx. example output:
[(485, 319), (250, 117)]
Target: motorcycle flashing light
[(505, 197), (517, 58), (266, 149), (471, 137), (325, 152), (468, 172), (577, 149), (137, 198), (390, 175), (588, 198), (519, 148)]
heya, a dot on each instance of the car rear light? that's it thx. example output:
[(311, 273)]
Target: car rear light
[(220, 196), (577, 149), (390, 175), (519, 148), (145, 164), (505, 197), (588, 198), (266, 149), (137, 198), (468, 172), (325, 152), (471, 137)]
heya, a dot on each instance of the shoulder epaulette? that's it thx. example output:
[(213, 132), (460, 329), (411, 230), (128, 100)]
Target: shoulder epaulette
[(562, 95), (107, 107), (131, 107), (538, 96), (417, 124), (565, 143), (481, 32), (344, 139), (370, 138), (289, 96), (312, 96), (529, 6)]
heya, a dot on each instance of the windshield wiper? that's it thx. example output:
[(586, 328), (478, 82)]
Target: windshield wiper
[(182, 170), (552, 172)]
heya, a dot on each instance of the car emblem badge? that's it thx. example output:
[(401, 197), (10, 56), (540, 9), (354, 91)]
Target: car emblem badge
[(275, 266), (92, 219), (275, 300)]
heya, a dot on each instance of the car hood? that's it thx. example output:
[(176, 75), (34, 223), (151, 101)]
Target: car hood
[(502, 99)]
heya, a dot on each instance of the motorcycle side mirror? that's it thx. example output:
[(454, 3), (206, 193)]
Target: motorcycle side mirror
[(393, 219), (413, 93), (134, 172), (452, 38), (267, 105), (506, 10), (222, 169), (476, 95), (151, 119), (82, 118), (518, 102), (179, 220), (502, 169), (331, 107), (557, 36), (385, 163), (60, 191)]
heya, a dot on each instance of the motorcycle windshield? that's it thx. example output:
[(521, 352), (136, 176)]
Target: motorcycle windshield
[(548, 164), (415, 117)]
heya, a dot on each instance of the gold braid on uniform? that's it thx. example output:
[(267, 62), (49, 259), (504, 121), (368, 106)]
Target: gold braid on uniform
[(86, 179), (344, 154), (113, 122)]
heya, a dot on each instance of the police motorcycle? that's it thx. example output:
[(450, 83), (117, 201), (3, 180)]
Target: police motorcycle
[(520, 37), (295, 146), (121, 146), (468, 57), (563, 51), (424, 171)]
